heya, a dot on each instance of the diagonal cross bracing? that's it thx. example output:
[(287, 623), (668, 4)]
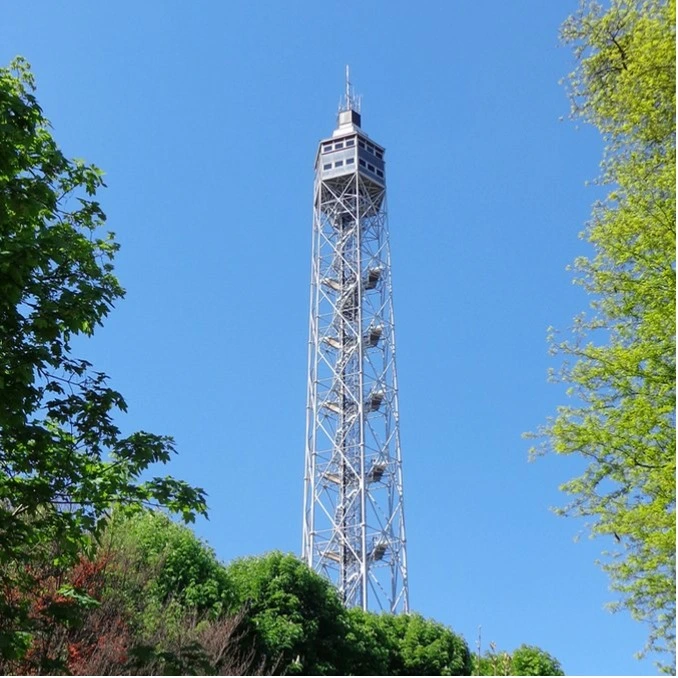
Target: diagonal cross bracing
[(354, 529)]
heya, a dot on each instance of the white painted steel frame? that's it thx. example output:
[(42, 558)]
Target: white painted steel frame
[(354, 527)]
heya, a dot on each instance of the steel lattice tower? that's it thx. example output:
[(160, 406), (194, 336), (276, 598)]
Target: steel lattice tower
[(354, 528)]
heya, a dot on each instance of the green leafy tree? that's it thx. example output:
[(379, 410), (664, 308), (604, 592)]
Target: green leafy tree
[(161, 598), (528, 660), (429, 648), (183, 572), (300, 626), (492, 663), (63, 461), (403, 645), (620, 361), (371, 648), (295, 615)]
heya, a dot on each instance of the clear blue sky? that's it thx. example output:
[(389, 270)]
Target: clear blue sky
[(205, 117)]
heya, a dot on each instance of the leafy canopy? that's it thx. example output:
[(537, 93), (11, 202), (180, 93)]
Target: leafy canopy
[(404, 645), (300, 626), (526, 660), (620, 360), (296, 617), (183, 572), (63, 461)]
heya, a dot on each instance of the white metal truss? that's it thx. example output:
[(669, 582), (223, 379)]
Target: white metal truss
[(354, 528)]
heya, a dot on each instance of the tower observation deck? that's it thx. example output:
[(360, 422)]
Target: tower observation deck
[(354, 529)]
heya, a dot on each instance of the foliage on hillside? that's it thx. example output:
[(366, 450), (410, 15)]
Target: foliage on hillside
[(620, 362), (63, 461), (526, 660), (152, 599)]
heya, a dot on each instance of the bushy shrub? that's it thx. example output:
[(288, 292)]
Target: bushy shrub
[(185, 570), (296, 618)]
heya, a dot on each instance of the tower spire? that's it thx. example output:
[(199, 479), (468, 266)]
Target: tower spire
[(351, 101), (349, 109)]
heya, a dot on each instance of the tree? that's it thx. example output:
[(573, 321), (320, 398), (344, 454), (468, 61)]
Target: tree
[(371, 647), (150, 599), (300, 626), (403, 645), (183, 572), (429, 648), (296, 618), (620, 361), (63, 461), (527, 660)]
